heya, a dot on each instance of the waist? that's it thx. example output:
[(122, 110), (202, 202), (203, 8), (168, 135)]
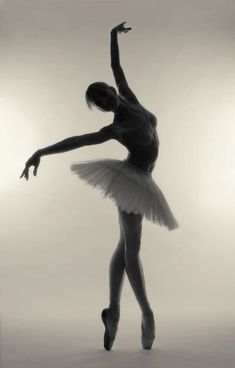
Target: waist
[(142, 164)]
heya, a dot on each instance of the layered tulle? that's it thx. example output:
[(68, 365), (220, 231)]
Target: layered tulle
[(131, 188)]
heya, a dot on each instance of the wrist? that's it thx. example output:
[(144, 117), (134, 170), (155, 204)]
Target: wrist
[(39, 152)]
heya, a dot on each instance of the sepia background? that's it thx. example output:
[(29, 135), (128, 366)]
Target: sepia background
[(58, 234)]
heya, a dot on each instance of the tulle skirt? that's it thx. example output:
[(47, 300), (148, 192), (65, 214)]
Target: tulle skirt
[(131, 188)]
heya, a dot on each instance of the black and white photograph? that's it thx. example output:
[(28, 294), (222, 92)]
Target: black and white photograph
[(117, 195)]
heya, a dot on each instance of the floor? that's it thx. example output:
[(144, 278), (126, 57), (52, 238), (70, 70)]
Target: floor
[(69, 341)]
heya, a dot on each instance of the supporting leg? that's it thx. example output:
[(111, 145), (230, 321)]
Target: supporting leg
[(110, 316), (116, 273), (132, 226)]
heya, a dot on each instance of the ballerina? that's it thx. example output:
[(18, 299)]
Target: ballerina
[(128, 183)]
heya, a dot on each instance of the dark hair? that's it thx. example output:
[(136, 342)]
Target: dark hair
[(92, 91)]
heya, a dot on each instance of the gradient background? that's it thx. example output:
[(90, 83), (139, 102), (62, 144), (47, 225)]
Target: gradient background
[(58, 234)]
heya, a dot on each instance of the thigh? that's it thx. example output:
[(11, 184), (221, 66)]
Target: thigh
[(121, 242), (132, 228)]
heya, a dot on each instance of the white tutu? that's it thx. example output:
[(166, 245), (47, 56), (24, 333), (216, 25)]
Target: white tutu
[(131, 188)]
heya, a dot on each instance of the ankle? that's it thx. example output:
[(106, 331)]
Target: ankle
[(115, 307)]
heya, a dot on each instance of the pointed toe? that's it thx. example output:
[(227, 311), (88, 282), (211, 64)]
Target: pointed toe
[(111, 326), (147, 332)]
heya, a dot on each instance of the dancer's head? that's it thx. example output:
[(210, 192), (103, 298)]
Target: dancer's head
[(102, 96)]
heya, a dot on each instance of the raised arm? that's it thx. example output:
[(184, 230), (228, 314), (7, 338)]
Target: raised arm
[(118, 72), (68, 144)]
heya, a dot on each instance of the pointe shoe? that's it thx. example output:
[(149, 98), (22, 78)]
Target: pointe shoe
[(148, 331), (111, 325)]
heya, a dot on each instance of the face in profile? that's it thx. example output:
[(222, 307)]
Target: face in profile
[(104, 98)]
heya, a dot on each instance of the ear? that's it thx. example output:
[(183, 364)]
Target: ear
[(113, 89)]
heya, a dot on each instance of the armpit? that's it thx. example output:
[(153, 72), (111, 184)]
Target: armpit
[(107, 132)]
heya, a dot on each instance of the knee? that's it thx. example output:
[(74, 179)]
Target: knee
[(120, 248), (121, 243)]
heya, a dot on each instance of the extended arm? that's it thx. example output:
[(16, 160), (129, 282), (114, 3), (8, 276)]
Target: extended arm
[(103, 135), (119, 75), (78, 141)]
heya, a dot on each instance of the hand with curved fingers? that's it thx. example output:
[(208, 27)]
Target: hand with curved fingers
[(120, 28), (34, 160)]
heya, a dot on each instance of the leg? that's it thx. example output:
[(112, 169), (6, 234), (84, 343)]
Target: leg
[(116, 272), (132, 227), (110, 316)]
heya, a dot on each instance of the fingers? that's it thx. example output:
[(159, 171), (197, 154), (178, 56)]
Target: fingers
[(121, 27), (124, 30), (35, 170), (25, 173), (122, 24)]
